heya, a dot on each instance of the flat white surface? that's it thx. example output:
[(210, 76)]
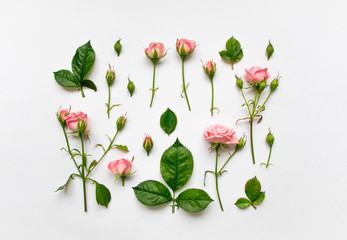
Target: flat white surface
[(305, 188)]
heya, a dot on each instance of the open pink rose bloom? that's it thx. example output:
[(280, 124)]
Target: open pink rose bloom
[(121, 167), (220, 134), (256, 74), (73, 118), (188, 46), (155, 48)]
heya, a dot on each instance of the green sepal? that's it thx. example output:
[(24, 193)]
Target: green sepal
[(152, 193), (242, 203), (269, 50), (92, 164), (102, 194), (168, 121), (118, 47), (252, 189), (193, 200), (65, 78), (121, 147)]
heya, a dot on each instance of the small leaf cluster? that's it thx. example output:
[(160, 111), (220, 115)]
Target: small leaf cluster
[(253, 193), (82, 62), (176, 168), (233, 52)]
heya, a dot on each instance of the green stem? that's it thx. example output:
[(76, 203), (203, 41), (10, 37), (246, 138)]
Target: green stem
[(153, 84), (244, 98), (184, 85), (226, 162), (216, 174), (82, 92), (263, 103), (109, 101), (267, 164), (84, 165), (251, 133), (108, 149), (173, 203), (255, 102), (212, 97), (123, 181), (69, 150)]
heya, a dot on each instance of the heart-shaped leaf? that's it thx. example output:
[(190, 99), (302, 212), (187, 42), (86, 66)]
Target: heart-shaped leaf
[(252, 189), (102, 194), (193, 200), (176, 165), (152, 193), (168, 121)]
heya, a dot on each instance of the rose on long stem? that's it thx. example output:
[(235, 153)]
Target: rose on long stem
[(153, 85), (184, 84)]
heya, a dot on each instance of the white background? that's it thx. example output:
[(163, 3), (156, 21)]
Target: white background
[(305, 188)]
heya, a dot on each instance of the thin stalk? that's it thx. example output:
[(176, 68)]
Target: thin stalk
[(173, 203), (153, 84), (212, 97), (109, 101), (108, 149), (251, 133), (69, 150), (184, 85), (82, 92), (263, 103), (216, 174), (84, 164), (123, 181), (244, 98), (268, 161), (226, 162)]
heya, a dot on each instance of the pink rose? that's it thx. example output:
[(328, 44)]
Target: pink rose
[(184, 46), (155, 50), (64, 113), (257, 74), (210, 68), (121, 167), (75, 120), (220, 134)]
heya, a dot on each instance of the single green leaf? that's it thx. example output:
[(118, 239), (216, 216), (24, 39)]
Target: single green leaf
[(93, 164), (259, 199), (193, 200), (225, 55), (234, 51), (102, 194), (118, 47), (252, 189), (67, 182), (168, 121), (83, 61), (152, 193), (89, 84), (269, 50), (65, 78), (176, 165), (242, 203), (121, 147)]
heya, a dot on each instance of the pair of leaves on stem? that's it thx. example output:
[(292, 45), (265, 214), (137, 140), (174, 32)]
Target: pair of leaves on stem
[(253, 193), (233, 52), (82, 62), (168, 121), (176, 168)]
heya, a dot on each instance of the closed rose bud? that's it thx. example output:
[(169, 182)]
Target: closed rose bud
[(274, 84), (118, 47), (261, 86), (148, 144), (270, 138), (110, 75), (256, 74), (131, 87), (121, 167), (61, 116), (242, 143), (155, 51), (210, 69), (184, 47), (121, 122), (77, 122), (239, 82)]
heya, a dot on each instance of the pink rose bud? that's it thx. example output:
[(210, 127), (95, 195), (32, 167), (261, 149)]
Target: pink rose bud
[(210, 68), (121, 167), (220, 134), (77, 122), (148, 144), (185, 47), (155, 51), (256, 74), (110, 75), (62, 114)]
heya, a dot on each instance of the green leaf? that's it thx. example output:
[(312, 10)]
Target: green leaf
[(93, 164), (152, 193), (193, 200), (121, 147), (102, 194), (269, 50), (168, 121), (176, 165), (83, 61), (65, 78), (252, 189), (67, 182), (225, 55), (89, 84), (242, 203), (234, 51), (259, 199)]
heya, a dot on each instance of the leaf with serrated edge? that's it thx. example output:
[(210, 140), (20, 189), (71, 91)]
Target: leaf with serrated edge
[(152, 193), (102, 194), (83, 61), (234, 50), (66, 79), (243, 203), (259, 199), (176, 165), (252, 188), (168, 121), (193, 200)]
